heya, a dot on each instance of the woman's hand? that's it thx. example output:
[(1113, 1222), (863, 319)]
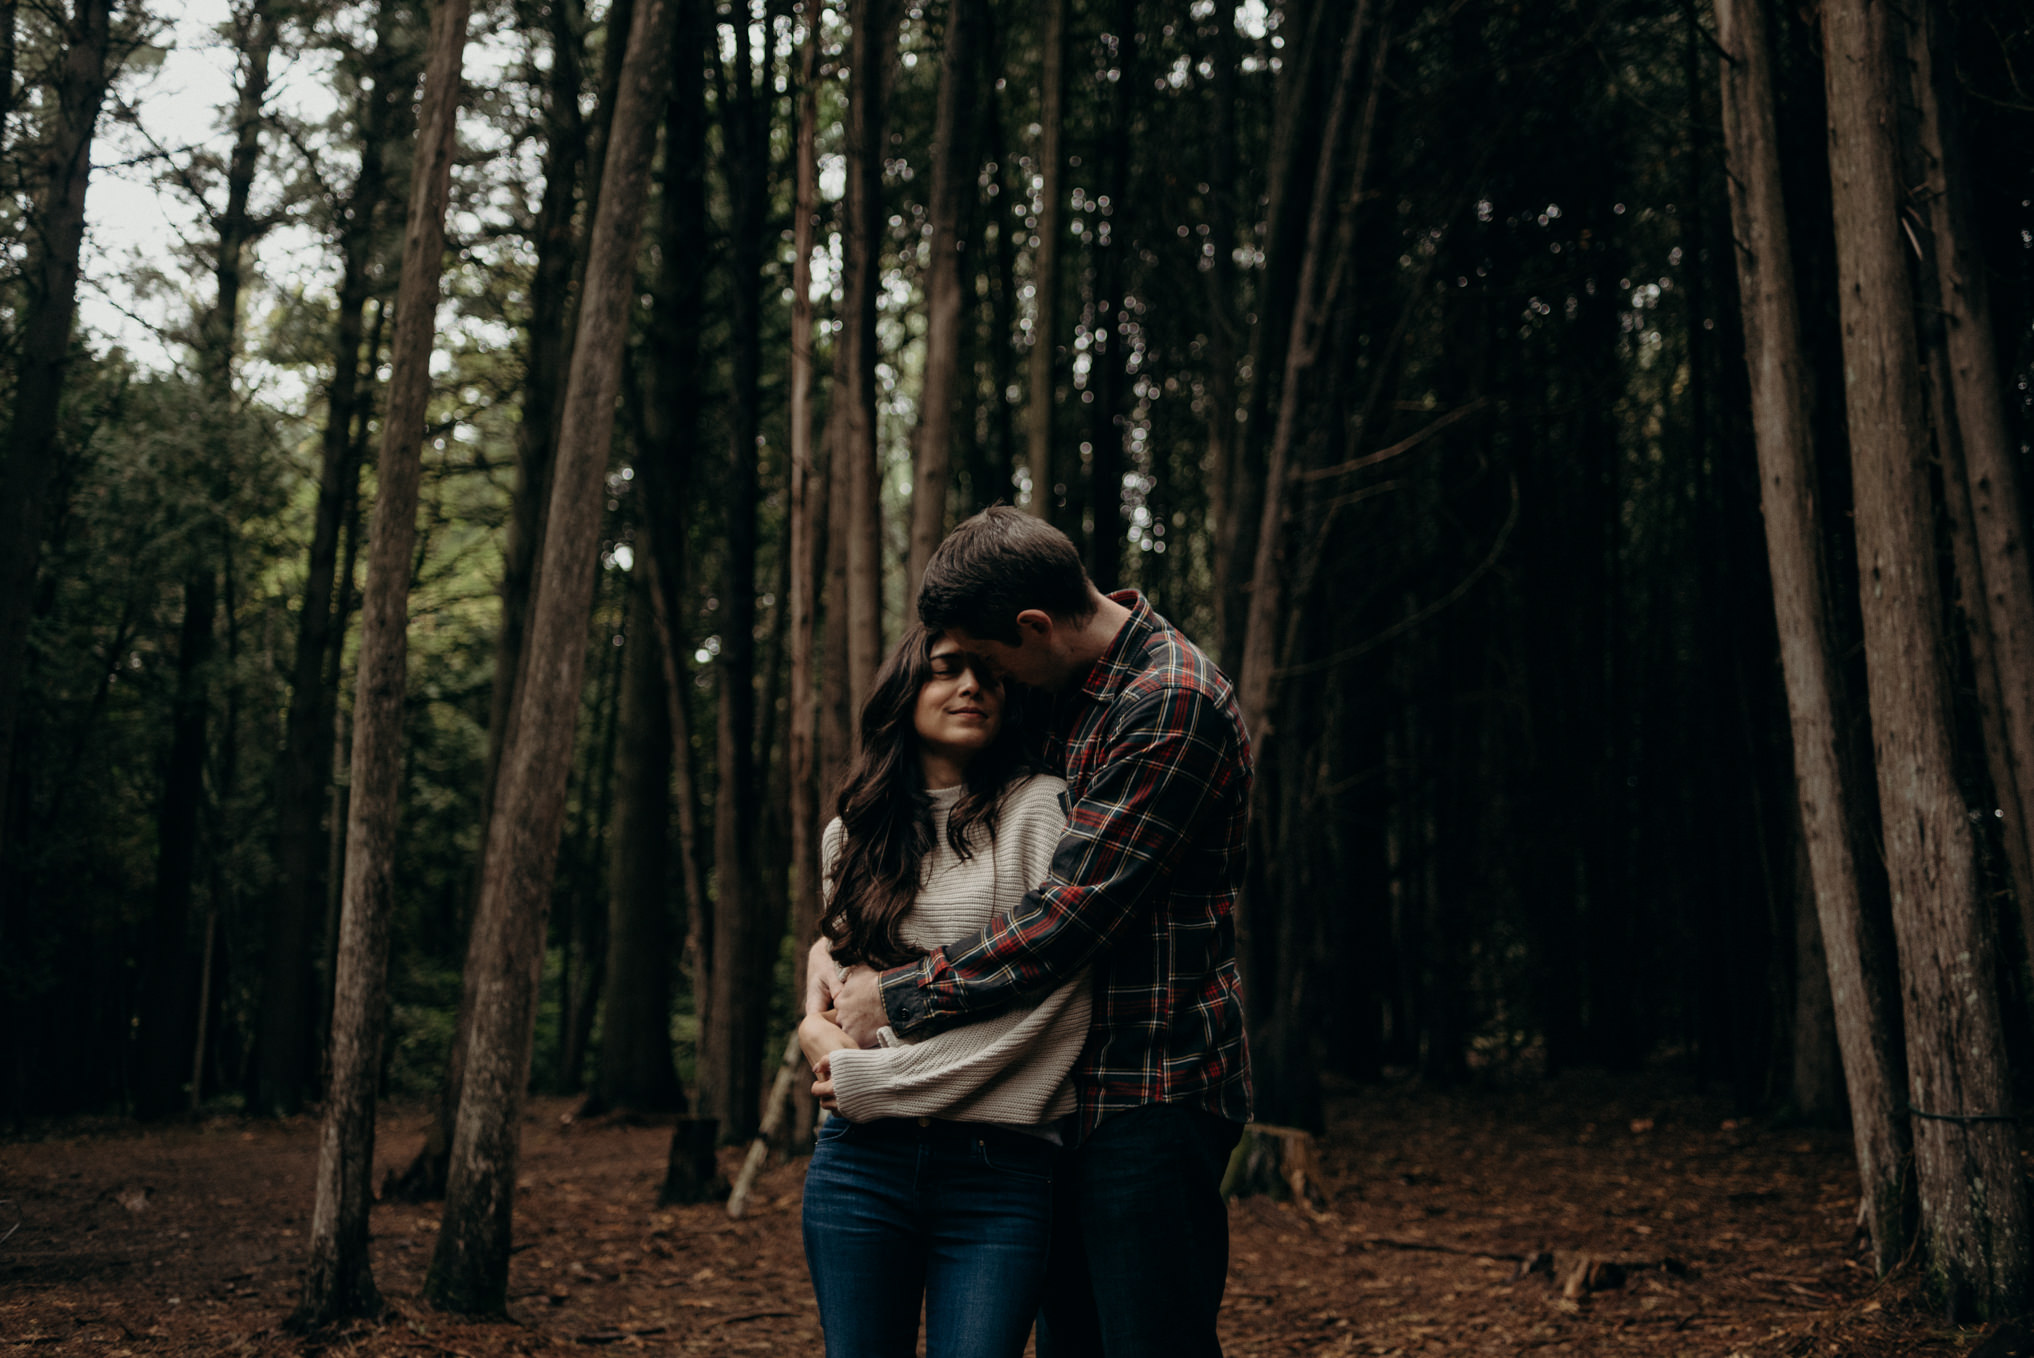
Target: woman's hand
[(819, 1037)]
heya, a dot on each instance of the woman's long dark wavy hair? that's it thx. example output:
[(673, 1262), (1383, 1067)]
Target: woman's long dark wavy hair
[(886, 815)]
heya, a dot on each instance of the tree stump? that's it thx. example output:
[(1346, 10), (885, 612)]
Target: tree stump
[(1278, 1162), (693, 1173)]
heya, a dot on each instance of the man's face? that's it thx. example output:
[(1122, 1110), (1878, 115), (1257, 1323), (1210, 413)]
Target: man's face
[(1030, 662)]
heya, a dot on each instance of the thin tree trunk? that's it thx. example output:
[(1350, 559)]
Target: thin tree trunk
[(51, 278), (1108, 377), (953, 178), (1234, 547), (857, 454), (167, 1022), (584, 926), (1973, 1202), (1219, 267), (670, 413), (163, 1038), (537, 430), (1256, 683), (285, 1062), (469, 1270), (1998, 590), (339, 1281), (808, 531), (1861, 979), (731, 1028), (635, 1070), (1046, 490)]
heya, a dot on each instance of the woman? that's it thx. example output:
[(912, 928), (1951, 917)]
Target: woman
[(934, 1181)]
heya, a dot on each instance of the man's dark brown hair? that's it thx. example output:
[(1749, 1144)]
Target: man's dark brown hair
[(993, 567)]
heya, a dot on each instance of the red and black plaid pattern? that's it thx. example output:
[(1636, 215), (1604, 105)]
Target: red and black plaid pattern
[(1143, 884)]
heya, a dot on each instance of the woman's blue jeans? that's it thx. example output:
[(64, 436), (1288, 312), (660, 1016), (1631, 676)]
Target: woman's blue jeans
[(956, 1214)]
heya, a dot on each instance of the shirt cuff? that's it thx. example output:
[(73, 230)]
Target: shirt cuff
[(907, 998)]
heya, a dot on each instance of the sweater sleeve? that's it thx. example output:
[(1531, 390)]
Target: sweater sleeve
[(1010, 1067)]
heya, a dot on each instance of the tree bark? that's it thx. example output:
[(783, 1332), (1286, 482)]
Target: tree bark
[(1219, 267), (635, 1070), (1973, 1203), (164, 1025), (285, 1063), (1108, 352), (1047, 492), (1257, 680), (1287, 186), (731, 1028), (469, 1270), (1861, 979), (674, 396), (51, 277), (339, 1280), (857, 453), (953, 178), (1980, 457), (169, 1019), (807, 509)]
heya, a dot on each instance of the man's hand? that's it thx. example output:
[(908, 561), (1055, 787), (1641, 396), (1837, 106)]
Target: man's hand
[(822, 980), (859, 1002)]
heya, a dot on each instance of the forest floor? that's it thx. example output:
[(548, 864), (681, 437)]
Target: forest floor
[(1734, 1237)]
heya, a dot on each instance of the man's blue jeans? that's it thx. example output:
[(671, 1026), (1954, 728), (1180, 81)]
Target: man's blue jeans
[(955, 1213), (1140, 1248)]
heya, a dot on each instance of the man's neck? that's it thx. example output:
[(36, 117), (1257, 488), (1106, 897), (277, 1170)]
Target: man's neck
[(1097, 634)]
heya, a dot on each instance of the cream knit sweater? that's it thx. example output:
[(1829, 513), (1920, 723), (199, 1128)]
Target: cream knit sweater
[(1011, 1067)]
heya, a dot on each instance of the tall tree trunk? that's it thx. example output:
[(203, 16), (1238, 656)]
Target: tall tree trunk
[(999, 338), (807, 511), (1040, 458), (285, 1063), (469, 1270), (163, 1029), (1108, 377), (51, 277), (537, 430), (168, 1021), (953, 178), (732, 1038), (339, 1280), (635, 1070), (671, 437), (1218, 265), (583, 926), (1980, 455), (857, 455), (1861, 979), (1973, 1200), (1257, 680), (551, 293)]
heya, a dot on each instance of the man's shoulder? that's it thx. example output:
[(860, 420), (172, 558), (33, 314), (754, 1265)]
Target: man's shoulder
[(1175, 668)]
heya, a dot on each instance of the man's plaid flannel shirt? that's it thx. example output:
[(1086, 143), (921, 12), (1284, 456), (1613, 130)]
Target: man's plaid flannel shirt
[(1143, 883)]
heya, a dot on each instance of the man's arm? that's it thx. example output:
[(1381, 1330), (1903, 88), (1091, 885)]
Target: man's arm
[(1170, 756)]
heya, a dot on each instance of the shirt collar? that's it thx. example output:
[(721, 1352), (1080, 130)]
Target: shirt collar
[(1125, 656)]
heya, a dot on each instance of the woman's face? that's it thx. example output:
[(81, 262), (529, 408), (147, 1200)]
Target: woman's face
[(959, 712)]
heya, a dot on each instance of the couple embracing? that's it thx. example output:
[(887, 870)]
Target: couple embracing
[(1024, 1007)]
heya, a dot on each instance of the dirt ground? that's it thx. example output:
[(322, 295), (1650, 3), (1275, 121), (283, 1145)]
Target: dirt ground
[(1734, 1238)]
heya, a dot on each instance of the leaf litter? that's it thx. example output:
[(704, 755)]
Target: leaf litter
[(1583, 1215)]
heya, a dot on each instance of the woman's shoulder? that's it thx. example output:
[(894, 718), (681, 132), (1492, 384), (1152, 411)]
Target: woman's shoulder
[(1036, 794)]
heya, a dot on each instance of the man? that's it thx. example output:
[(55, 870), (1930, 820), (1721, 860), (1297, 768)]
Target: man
[(1145, 730)]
